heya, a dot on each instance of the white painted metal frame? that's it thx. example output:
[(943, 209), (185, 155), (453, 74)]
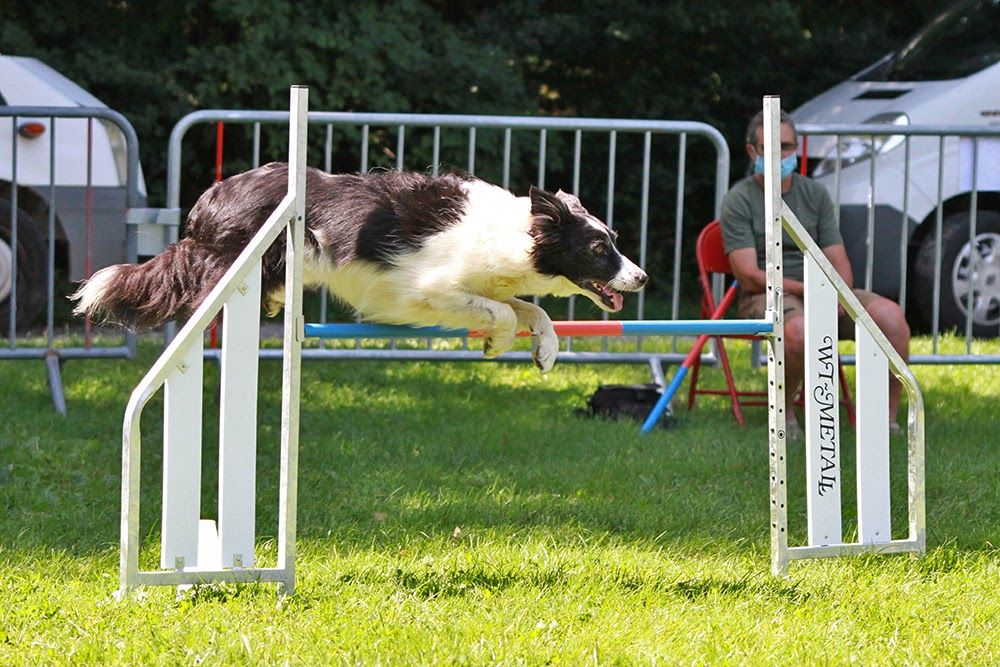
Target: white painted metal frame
[(875, 357), (776, 418), (822, 408), (192, 551)]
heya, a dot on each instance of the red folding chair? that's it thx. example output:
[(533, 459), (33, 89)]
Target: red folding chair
[(711, 255)]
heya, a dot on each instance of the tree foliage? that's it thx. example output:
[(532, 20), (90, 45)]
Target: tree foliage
[(156, 62), (706, 61)]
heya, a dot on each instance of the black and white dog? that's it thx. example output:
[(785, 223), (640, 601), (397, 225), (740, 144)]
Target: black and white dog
[(400, 247)]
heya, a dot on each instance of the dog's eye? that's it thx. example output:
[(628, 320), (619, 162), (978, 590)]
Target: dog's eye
[(599, 246)]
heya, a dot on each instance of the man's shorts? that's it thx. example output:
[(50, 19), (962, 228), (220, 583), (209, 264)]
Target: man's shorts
[(752, 307)]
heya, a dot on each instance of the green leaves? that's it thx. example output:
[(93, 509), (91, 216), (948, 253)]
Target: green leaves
[(704, 61)]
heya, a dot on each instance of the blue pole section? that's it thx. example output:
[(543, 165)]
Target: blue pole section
[(380, 331), (696, 327), (661, 405)]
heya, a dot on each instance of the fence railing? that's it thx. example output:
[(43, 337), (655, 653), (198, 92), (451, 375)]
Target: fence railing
[(498, 148), (57, 188), (919, 209), (909, 198)]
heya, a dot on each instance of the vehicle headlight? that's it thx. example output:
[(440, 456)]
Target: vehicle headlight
[(854, 149), (119, 151)]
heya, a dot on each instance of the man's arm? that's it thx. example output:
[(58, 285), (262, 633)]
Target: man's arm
[(753, 279), (837, 254)]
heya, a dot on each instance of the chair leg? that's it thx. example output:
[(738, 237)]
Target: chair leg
[(693, 383), (734, 397)]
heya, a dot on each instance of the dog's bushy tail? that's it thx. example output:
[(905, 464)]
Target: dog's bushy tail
[(140, 296)]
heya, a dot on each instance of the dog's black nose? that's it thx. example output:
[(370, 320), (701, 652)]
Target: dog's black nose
[(642, 280)]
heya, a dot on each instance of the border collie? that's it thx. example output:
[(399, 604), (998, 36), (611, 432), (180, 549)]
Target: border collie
[(399, 247)]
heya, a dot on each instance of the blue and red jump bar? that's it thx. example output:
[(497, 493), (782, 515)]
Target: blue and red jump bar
[(563, 328)]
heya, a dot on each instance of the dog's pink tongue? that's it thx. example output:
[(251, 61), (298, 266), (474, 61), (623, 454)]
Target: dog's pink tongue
[(617, 300)]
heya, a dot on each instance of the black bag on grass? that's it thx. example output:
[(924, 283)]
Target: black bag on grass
[(631, 401)]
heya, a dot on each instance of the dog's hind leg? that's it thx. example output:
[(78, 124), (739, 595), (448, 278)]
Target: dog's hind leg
[(274, 302), (536, 320)]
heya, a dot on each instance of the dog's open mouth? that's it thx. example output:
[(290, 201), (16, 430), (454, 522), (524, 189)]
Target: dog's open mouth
[(610, 298)]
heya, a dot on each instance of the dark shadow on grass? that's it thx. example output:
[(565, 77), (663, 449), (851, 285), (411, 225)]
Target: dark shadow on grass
[(765, 588), (428, 583), (753, 585)]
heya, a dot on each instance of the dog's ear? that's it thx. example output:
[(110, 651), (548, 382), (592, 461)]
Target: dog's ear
[(545, 204), (571, 201), (567, 197)]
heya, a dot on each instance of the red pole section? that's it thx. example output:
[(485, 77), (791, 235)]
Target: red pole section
[(804, 160), (219, 131), (583, 328), (720, 310), (218, 150), (572, 328)]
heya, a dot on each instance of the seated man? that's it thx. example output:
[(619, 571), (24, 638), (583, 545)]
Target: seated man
[(743, 234)]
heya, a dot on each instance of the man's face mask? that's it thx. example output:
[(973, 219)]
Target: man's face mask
[(788, 165)]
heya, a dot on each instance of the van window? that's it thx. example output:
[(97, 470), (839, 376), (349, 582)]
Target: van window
[(958, 43)]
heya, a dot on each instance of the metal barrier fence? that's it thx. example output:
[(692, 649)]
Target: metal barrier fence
[(898, 211), (907, 214), (512, 141), (51, 171), (910, 198)]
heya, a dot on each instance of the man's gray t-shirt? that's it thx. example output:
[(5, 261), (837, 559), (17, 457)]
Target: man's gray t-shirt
[(743, 219)]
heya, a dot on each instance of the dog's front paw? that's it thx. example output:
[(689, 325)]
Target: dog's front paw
[(546, 351)]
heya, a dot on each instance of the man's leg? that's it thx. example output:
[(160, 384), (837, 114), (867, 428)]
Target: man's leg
[(794, 366), (890, 319)]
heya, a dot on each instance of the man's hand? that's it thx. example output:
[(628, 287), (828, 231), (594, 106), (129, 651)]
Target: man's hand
[(744, 265)]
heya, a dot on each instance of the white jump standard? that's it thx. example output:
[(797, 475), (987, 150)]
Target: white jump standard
[(824, 288), (192, 551), (197, 551)]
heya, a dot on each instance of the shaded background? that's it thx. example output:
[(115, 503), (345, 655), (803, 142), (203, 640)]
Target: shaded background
[(704, 61)]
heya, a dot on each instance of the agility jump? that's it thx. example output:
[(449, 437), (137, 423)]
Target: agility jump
[(196, 551)]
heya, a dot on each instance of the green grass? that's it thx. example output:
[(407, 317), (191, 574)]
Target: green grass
[(461, 513)]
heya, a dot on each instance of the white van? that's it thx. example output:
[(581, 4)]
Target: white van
[(947, 74), (30, 82)]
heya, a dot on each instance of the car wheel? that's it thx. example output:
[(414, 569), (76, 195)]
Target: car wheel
[(965, 266), (31, 268)]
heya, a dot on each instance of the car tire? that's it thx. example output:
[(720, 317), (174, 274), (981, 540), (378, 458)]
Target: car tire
[(31, 269), (959, 271)]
